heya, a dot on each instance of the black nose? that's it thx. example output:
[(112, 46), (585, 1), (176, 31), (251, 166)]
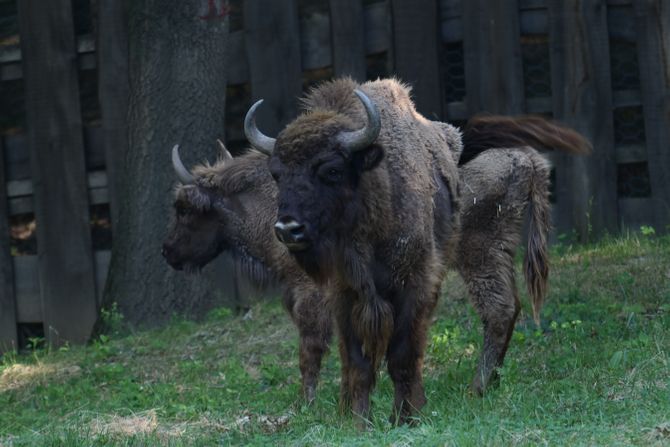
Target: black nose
[(291, 233)]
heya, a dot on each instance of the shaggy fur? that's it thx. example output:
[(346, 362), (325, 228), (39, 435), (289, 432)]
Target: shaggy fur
[(382, 235), (232, 208)]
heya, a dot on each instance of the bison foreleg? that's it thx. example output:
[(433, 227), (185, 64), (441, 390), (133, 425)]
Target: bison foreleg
[(358, 372), (405, 361)]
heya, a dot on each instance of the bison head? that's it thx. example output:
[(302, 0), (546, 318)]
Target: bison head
[(317, 162), (201, 222)]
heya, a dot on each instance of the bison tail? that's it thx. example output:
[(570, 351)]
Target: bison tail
[(536, 261), (373, 324), (484, 132)]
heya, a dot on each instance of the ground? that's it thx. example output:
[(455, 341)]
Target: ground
[(597, 372)]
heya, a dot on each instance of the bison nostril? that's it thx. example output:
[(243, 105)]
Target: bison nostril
[(289, 231)]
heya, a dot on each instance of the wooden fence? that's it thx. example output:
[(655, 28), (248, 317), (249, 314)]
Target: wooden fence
[(600, 66)]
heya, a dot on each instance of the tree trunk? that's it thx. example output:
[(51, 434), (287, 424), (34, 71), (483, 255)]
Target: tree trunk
[(177, 67)]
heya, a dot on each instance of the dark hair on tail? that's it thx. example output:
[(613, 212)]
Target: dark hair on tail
[(536, 261), (484, 132)]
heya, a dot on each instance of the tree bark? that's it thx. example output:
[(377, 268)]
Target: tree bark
[(177, 67)]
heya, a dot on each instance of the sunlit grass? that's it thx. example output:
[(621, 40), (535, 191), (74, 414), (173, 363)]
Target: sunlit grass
[(596, 372)]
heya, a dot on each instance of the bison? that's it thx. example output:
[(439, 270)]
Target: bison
[(369, 203), (230, 206)]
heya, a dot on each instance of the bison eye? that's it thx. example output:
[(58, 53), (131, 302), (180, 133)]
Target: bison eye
[(330, 174)]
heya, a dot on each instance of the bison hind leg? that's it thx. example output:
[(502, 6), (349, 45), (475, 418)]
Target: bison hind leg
[(497, 304)]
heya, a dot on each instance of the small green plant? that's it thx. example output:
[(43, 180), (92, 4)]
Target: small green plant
[(112, 319), (647, 231)]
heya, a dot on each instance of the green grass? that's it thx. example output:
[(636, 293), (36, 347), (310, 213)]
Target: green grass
[(596, 373)]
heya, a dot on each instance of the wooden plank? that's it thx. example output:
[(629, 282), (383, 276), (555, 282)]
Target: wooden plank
[(579, 46), (631, 153), (347, 30), (415, 52), (539, 105), (8, 336), (28, 299), (18, 188), (57, 159), (534, 21), (17, 157), (653, 46), (377, 28), (102, 259), (113, 91), (273, 53), (635, 212), (238, 72), (492, 52), (315, 51)]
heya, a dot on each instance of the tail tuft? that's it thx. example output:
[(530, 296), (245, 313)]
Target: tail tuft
[(536, 262)]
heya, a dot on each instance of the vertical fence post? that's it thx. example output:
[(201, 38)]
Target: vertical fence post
[(113, 89), (273, 51), (492, 52), (59, 174), (347, 33), (582, 98), (8, 340), (415, 38), (653, 46)]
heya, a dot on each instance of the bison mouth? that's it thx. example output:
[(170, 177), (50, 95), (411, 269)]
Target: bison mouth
[(296, 247)]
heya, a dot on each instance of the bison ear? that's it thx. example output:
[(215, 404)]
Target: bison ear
[(368, 158)]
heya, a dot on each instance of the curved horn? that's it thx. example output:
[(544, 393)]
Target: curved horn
[(182, 173), (259, 141), (224, 152), (362, 138)]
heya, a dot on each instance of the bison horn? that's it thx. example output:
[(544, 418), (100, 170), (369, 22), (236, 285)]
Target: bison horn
[(182, 173), (224, 152), (362, 138), (259, 141)]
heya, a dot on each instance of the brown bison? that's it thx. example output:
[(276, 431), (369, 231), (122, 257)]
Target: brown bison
[(369, 203), (231, 207)]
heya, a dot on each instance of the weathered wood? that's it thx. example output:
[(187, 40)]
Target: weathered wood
[(347, 31), (377, 28), (58, 165), (653, 46), (586, 186), (8, 340), (273, 52), (27, 288), (635, 212), (492, 51), (315, 50), (415, 52), (113, 91)]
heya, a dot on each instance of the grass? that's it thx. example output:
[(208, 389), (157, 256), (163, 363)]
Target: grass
[(597, 372)]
